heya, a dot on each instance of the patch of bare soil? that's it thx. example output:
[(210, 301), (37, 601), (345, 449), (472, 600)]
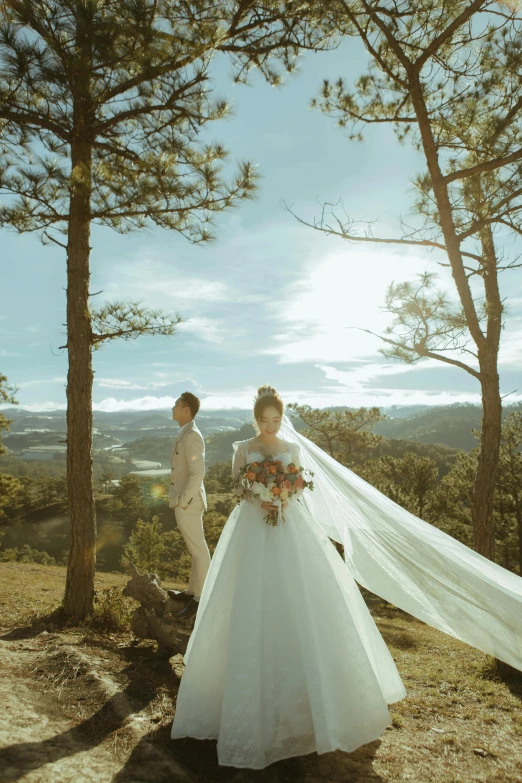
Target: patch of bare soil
[(72, 712)]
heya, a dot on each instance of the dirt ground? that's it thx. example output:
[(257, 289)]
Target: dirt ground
[(78, 705)]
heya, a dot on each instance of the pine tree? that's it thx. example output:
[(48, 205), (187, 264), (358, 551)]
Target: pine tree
[(102, 104), (10, 486), (7, 397), (509, 483), (145, 547), (409, 480), (447, 77), (343, 434)]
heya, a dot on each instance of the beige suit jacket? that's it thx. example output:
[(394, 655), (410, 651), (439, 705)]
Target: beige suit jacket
[(187, 463)]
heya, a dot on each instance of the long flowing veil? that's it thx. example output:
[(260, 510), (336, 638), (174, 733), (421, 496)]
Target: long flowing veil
[(411, 563)]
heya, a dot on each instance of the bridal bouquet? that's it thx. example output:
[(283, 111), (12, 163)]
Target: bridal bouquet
[(273, 482)]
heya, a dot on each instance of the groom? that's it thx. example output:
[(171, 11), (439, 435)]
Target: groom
[(188, 498)]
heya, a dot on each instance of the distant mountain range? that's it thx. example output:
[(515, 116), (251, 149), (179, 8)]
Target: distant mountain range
[(449, 425), (41, 435), (124, 422), (149, 435)]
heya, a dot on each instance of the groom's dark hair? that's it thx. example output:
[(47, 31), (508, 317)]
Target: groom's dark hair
[(192, 401)]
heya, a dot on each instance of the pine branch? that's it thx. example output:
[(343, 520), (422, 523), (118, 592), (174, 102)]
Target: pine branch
[(345, 233), (480, 168), (128, 320), (426, 353)]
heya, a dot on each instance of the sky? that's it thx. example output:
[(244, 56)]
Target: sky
[(272, 301)]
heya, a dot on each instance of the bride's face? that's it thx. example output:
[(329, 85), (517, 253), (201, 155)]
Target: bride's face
[(269, 422)]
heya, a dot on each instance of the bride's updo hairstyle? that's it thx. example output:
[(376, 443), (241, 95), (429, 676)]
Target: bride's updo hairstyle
[(266, 397)]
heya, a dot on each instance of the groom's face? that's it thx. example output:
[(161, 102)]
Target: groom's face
[(179, 411), (176, 410)]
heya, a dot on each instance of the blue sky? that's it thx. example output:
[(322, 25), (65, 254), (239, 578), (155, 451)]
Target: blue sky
[(271, 300)]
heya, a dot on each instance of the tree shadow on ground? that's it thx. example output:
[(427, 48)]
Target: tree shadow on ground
[(53, 620), (146, 675)]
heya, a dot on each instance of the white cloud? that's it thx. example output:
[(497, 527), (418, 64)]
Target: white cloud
[(238, 399), (510, 354), (384, 398), (161, 284), (339, 396), (192, 289), (243, 400), (111, 404), (324, 313), (359, 386), (11, 354), (365, 377), (40, 382), (118, 383), (41, 407), (212, 330)]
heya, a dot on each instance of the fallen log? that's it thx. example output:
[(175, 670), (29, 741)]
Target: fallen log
[(155, 618)]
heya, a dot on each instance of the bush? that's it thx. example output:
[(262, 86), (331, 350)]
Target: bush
[(218, 477), (180, 568), (145, 547), (26, 554), (112, 610)]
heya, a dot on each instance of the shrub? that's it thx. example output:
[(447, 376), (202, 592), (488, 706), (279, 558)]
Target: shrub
[(145, 547), (26, 554), (112, 610)]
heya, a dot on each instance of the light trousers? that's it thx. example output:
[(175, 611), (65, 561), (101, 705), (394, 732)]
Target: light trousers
[(190, 523)]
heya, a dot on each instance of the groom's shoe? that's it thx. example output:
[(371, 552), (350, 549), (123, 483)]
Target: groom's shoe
[(180, 595), (188, 610)]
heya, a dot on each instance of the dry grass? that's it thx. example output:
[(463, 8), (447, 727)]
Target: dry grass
[(29, 592), (460, 721)]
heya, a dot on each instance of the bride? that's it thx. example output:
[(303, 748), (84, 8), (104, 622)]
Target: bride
[(285, 658)]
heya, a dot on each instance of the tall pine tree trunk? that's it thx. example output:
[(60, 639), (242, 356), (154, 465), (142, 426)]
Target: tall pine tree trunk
[(491, 434), (484, 485), (79, 588), (487, 344)]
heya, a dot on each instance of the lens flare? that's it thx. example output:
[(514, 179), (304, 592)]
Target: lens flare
[(157, 491)]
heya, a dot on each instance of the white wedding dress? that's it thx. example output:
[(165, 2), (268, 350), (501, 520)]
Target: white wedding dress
[(285, 658)]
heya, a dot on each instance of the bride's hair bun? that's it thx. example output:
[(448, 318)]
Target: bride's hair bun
[(267, 390), (266, 396)]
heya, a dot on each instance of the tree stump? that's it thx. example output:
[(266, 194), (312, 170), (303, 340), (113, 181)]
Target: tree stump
[(155, 619)]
